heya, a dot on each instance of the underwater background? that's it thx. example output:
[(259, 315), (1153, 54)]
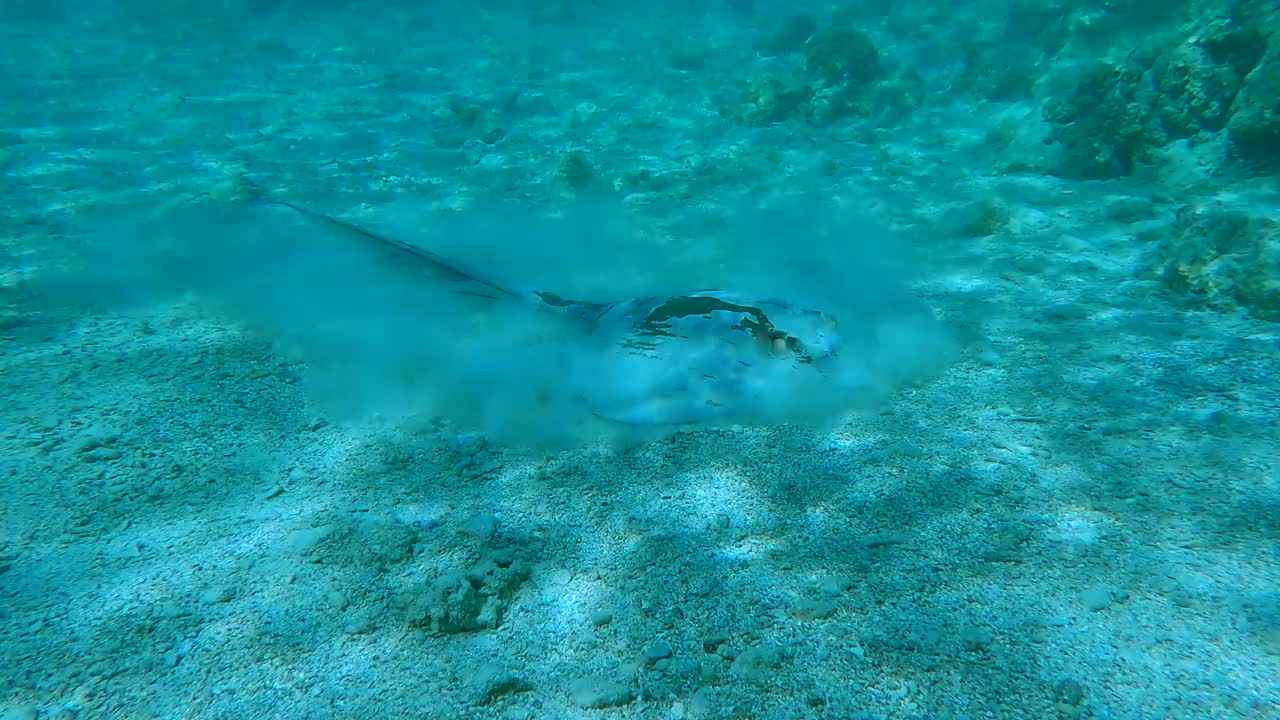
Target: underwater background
[(254, 466)]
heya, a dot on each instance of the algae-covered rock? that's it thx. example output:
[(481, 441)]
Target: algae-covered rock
[(1105, 124), (770, 100), (575, 170), (840, 55), (837, 73), (983, 218), (1222, 258), (1214, 73), (1253, 131), (1197, 81)]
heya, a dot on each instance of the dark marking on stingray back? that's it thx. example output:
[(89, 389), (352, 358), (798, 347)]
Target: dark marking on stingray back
[(755, 322)]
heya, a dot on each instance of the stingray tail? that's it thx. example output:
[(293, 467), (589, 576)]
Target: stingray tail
[(431, 262), (474, 284)]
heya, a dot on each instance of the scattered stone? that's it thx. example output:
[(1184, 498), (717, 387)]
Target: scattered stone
[(20, 712), (1097, 598), (757, 664), (1069, 692), (922, 638), (712, 642), (216, 595), (595, 693), (1007, 544), (885, 540), (101, 454), (1129, 209), (359, 624), (835, 585), (304, 540), (416, 517), (93, 439), (600, 618), (474, 599), (659, 650), (492, 682), (702, 703), (975, 639), (477, 468), (481, 527), (813, 609)]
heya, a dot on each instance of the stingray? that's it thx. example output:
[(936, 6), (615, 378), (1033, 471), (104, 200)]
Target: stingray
[(705, 356)]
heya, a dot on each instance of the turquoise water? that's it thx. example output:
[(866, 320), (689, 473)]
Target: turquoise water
[(704, 359)]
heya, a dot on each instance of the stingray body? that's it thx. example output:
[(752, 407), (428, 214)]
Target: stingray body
[(701, 357)]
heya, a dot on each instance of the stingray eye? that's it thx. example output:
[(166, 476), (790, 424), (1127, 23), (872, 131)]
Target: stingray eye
[(794, 345)]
